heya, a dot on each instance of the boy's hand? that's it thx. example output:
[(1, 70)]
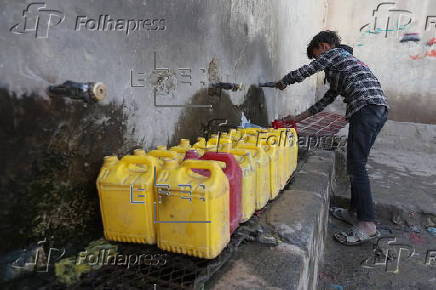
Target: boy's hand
[(289, 118), (281, 85), (297, 118)]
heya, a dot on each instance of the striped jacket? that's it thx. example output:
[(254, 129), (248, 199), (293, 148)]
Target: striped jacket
[(348, 77)]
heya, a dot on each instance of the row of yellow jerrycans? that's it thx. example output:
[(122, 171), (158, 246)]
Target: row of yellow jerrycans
[(273, 153), (156, 197)]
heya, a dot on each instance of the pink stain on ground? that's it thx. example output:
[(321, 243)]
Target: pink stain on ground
[(416, 238)]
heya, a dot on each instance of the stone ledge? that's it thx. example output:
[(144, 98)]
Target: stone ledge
[(298, 218)]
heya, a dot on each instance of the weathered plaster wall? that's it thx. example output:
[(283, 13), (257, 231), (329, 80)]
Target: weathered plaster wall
[(406, 70), (51, 148)]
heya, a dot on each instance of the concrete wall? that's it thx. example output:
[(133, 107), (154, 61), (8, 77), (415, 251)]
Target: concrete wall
[(406, 70), (51, 148)]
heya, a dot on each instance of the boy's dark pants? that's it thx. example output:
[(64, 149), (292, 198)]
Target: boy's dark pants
[(363, 129)]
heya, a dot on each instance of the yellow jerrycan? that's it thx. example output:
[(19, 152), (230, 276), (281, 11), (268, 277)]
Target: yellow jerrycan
[(201, 146), (223, 138), (181, 149), (263, 190), (244, 133), (275, 167), (290, 143), (193, 210), (232, 133), (285, 144), (164, 155), (237, 135), (276, 137), (161, 147), (248, 167), (160, 150), (273, 157), (293, 144), (126, 196), (251, 131), (139, 152)]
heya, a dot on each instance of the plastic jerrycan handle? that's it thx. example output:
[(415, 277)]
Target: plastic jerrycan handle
[(219, 156), (140, 159), (214, 168), (163, 153), (239, 152), (249, 146)]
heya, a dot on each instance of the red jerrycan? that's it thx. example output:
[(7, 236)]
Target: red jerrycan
[(192, 154), (276, 124), (234, 175)]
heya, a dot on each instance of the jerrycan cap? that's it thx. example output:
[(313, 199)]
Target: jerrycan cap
[(201, 141), (185, 143), (226, 147), (110, 160), (170, 163), (139, 152)]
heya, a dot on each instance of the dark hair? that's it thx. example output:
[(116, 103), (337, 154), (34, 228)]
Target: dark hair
[(327, 36)]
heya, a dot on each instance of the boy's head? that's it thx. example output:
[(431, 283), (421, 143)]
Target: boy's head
[(322, 42)]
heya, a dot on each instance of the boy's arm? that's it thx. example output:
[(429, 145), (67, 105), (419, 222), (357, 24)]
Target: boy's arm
[(322, 62), (328, 98)]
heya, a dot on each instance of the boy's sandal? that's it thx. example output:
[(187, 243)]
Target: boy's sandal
[(343, 215), (354, 237)]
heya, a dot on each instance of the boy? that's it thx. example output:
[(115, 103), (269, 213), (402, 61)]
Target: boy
[(366, 113)]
